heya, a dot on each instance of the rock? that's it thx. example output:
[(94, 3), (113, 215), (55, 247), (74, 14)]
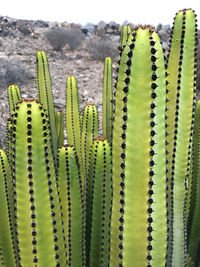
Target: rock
[(163, 35), (42, 24), (167, 28), (89, 28), (25, 30), (112, 28), (101, 27)]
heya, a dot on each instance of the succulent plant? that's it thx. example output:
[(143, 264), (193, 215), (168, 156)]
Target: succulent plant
[(126, 30), (71, 201), (45, 96), (98, 204), (194, 214), (130, 198), (36, 203), (14, 96), (60, 127), (138, 149), (8, 245), (73, 115), (181, 70), (90, 127), (107, 100)]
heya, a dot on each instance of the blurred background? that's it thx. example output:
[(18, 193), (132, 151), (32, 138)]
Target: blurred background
[(76, 36)]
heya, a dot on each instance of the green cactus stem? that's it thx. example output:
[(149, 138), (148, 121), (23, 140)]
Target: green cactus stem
[(81, 122), (126, 30), (8, 252), (9, 139), (73, 115), (14, 96), (37, 208), (99, 195), (194, 215), (181, 70), (71, 196), (45, 96), (139, 222), (89, 134), (60, 127), (107, 99)]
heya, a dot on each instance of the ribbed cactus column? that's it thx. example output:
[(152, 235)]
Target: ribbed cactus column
[(71, 196), (60, 127), (73, 115), (126, 30), (37, 208), (194, 214), (107, 99), (8, 251), (14, 96), (181, 69), (99, 195), (45, 96), (9, 139), (89, 133), (139, 223)]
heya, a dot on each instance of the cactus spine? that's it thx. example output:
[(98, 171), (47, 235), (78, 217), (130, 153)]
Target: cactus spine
[(107, 99), (194, 215), (73, 115), (7, 231), (139, 224), (99, 194), (71, 196), (45, 96), (14, 96), (181, 70), (89, 134), (37, 209), (60, 127)]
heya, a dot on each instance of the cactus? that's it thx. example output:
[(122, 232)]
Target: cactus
[(89, 133), (81, 122), (45, 96), (181, 70), (8, 139), (86, 204), (99, 194), (14, 96), (139, 223), (71, 196), (8, 252), (107, 99), (194, 215), (37, 209), (60, 127), (73, 115), (126, 30)]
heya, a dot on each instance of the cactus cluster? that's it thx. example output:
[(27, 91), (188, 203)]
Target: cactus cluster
[(128, 198)]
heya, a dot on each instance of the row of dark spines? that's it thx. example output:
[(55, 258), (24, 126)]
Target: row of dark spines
[(69, 181), (93, 180), (47, 92), (152, 142), (31, 182), (183, 28), (13, 92), (176, 124), (85, 128), (9, 206), (104, 222), (72, 107)]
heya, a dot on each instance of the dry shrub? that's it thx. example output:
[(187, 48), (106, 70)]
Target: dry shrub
[(59, 37)]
